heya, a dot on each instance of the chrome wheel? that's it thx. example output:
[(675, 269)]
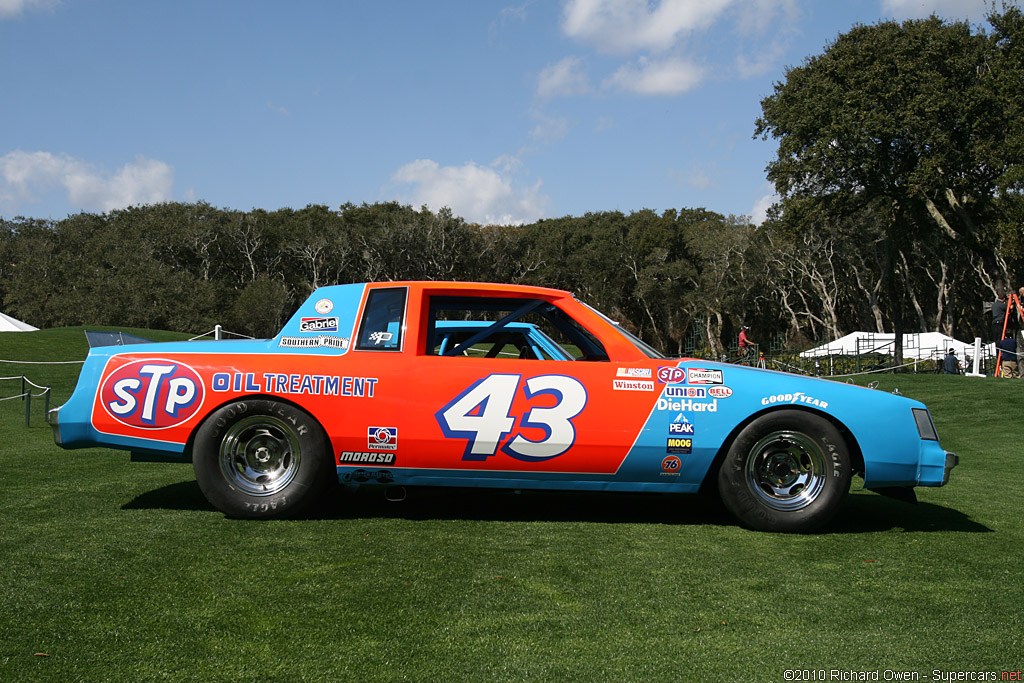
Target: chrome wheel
[(259, 455), (786, 470)]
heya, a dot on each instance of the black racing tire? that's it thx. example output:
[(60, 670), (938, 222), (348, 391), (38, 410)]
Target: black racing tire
[(261, 459), (788, 470)]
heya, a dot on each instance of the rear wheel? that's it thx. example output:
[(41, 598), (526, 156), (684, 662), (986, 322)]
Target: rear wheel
[(261, 459), (786, 471)]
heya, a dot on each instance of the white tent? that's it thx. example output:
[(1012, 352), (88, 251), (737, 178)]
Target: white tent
[(919, 346), (9, 324)]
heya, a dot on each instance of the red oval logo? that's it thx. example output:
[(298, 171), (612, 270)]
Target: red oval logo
[(152, 393), (671, 375), (671, 464), (718, 391)]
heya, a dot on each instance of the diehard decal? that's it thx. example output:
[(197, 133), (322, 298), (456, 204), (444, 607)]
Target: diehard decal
[(152, 394), (689, 405)]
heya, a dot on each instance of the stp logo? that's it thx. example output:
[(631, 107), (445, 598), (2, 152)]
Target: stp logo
[(671, 464), (152, 394), (671, 375)]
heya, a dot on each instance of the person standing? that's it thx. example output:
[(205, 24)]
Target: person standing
[(746, 344), (1007, 348), (998, 316), (950, 364)]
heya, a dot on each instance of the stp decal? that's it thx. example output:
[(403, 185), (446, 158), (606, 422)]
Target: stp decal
[(152, 394), (671, 375)]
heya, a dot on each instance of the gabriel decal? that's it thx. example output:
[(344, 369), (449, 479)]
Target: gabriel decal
[(152, 394)]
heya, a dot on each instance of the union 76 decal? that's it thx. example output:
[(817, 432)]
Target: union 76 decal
[(482, 414)]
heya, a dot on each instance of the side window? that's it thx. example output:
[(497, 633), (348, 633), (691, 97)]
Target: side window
[(383, 320)]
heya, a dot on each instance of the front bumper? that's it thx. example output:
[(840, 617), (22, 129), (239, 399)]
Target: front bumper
[(53, 419), (952, 460)]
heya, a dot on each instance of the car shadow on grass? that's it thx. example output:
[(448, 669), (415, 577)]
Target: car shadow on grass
[(862, 512)]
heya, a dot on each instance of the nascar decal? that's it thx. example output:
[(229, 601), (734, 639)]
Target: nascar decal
[(635, 373), (482, 415), (152, 393)]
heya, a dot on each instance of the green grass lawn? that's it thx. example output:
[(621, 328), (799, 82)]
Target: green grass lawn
[(119, 571)]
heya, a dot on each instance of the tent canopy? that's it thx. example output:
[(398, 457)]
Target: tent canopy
[(920, 346), (9, 324)]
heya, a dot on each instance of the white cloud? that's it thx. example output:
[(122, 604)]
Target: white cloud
[(624, 26), (646, 77), (14, 8), (563, 79), (973, 10), (480, 194), (759, 213), (23, 175)]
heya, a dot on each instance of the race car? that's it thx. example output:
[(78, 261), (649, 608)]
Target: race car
[(403, 384)]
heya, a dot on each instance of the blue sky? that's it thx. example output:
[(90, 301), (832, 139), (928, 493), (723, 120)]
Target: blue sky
[(505, 111)]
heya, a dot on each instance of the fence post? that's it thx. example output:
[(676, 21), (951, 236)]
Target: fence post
[(46, 401), (28, 406)]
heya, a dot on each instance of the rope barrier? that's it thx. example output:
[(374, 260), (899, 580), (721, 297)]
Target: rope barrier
[(11, 398)]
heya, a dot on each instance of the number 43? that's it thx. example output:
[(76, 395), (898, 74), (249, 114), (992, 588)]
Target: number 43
[(483, 415)]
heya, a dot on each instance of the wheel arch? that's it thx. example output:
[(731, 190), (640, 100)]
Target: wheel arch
[(190, 443), (709, 483)]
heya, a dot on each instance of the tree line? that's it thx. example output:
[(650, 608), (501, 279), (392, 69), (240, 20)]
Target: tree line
[(900, 171), (685, 280)]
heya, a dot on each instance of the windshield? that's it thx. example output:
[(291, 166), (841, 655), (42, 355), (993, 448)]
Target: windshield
[(636, 341)]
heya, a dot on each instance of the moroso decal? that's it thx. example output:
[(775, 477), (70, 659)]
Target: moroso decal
[(152, 394), (365, 458)]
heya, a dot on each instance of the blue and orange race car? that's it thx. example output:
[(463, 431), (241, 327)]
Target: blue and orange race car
[(470, 384)]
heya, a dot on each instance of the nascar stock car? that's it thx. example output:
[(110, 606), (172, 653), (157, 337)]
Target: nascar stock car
[(469, 384)]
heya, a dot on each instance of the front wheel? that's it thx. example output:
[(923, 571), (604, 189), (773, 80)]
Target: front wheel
[(788, 470), (261, 459)]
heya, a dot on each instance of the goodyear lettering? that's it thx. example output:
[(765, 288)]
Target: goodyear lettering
[(689, 405), (792, 399), (365, 458)]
